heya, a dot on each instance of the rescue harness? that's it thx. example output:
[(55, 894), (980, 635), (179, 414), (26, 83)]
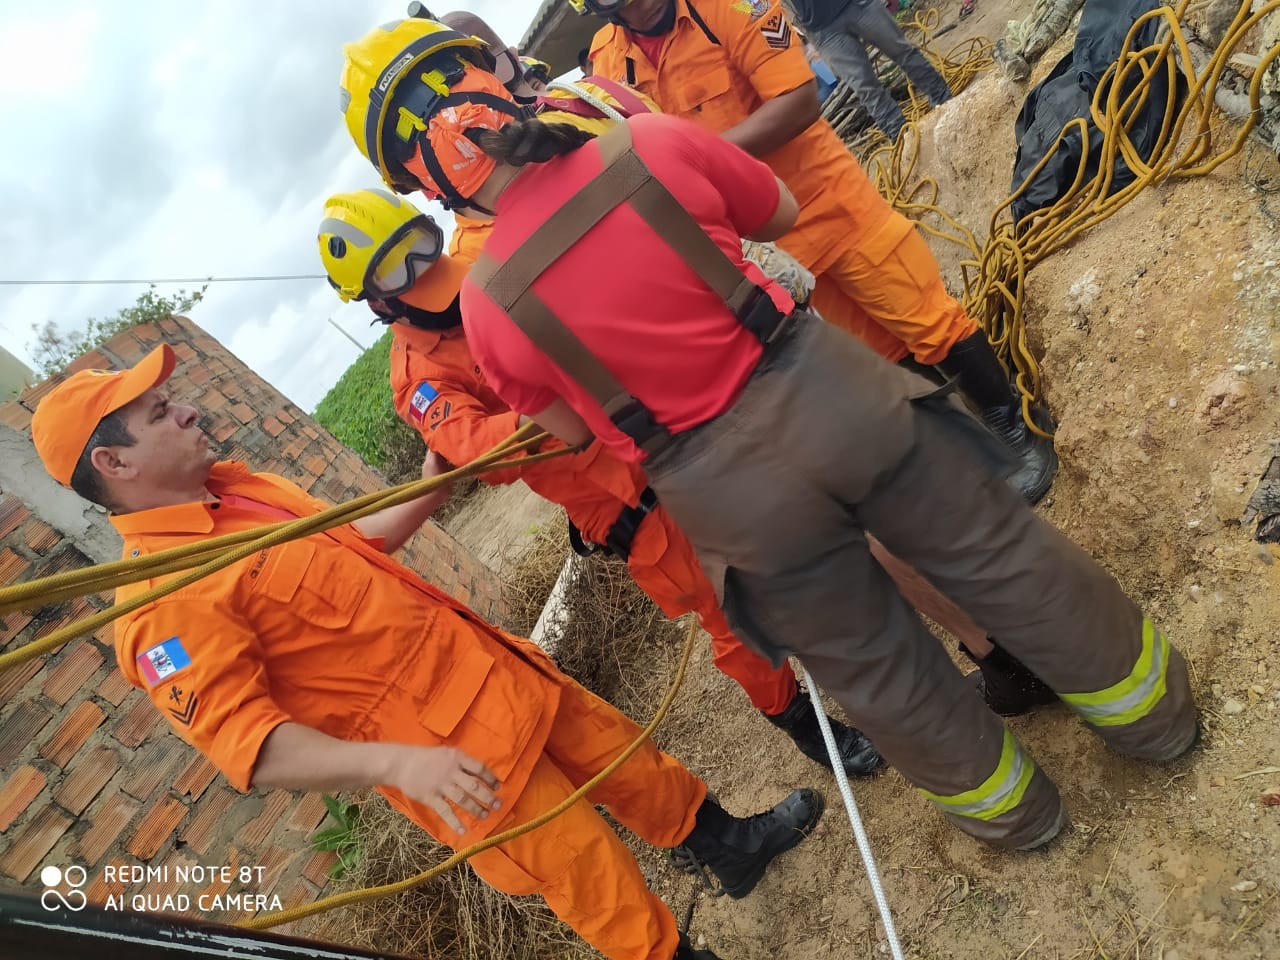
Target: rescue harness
[(625, 179)]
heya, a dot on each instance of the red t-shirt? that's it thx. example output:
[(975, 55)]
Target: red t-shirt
[(632, 300)]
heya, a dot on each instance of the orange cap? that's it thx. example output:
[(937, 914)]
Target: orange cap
[(67, 416), (438, 287)]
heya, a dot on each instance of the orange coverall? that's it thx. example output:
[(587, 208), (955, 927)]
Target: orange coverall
[(331, 633), (876, 276)]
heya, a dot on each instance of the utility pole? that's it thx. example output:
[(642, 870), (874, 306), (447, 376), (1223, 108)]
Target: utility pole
[(335, 326)]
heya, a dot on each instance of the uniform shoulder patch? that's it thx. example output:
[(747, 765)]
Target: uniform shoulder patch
[(755, 9), (422, 398), (163, 660), (776, 32)]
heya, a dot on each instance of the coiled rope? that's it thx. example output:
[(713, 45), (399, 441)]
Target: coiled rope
[(994, 275)]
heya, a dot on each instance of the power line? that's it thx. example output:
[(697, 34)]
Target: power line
[(287, 276)]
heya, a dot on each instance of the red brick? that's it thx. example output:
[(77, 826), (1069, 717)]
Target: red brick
[(272, 864), (35, 841), (186, 355), (86, 781), (63, 560), (12, 625), (40, 537), (273, 426), (156, 827), (224, 430), (299, 892), (17, 793), (286, 415), (106, 826), (211, 401), (138, 724), (169, 881), (13, 514), (101, 888), (309, 813), (13, 566), (197, 375), (198, 834), (316, 465), (154, 765), (23, 726), (147, 333), (15, 678), (254, 833), (318, 865), (72, 733), (195, 779), (30, 397), (220, 885), (71, 672), (243, 412), (115, 688), (92, 360), (15, 415)]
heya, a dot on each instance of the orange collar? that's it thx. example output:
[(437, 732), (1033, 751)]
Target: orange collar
[(194, 517)]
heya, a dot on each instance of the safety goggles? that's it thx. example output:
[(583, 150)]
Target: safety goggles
[(601, 8), (403, 258)]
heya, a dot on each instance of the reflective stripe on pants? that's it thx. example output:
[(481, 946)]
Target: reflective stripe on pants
[(1134, 697), (999, 793)]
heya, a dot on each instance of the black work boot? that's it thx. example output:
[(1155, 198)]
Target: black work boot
[(1006, 684), (686, 951), (857, 754), (984, 382), (737, 851)]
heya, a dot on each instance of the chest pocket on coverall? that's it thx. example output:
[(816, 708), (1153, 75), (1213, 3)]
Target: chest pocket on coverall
[(314, 588), (706, 95)]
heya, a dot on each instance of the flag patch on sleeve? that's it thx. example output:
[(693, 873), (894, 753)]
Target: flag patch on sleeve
[(422, 398), (163, 660)]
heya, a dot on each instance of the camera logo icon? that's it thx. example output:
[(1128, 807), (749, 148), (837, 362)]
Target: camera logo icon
[(53, 877)]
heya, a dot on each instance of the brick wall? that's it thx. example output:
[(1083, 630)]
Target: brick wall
[(90, 774)]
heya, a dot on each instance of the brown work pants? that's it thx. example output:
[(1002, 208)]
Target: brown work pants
[(829, 442)]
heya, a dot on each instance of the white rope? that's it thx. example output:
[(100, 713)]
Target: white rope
[(864, 847)]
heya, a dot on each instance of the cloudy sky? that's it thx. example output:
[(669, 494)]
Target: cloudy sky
[(146, 139)]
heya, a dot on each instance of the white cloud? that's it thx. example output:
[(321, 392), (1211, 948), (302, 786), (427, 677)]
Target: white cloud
[(152, 140)]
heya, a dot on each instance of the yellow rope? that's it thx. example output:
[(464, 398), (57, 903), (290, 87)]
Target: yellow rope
[(994, 275), (401, 886), (209, 556)]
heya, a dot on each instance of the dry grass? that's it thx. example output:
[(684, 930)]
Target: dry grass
[(617, 644), (454, 916)]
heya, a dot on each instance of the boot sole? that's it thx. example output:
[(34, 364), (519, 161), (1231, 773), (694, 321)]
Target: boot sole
[(748, 883)]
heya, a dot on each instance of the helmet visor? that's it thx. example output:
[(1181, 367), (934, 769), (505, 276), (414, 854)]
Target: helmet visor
[(405, 256)]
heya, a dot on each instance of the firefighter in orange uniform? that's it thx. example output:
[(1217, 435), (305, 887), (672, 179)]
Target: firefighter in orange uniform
[(737, 68), (323, 664), (380, 248)]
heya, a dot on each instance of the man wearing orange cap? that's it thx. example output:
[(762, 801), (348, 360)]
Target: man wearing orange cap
[(323, 664)]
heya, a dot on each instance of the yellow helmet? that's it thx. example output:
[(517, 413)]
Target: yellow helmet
[(375, 245), (391, 80)]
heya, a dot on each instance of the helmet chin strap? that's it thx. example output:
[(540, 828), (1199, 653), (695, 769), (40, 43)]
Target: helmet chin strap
[(395, 309)]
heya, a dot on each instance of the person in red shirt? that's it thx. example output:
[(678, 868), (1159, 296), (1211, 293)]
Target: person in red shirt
[(612, 300), (323, 664)]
